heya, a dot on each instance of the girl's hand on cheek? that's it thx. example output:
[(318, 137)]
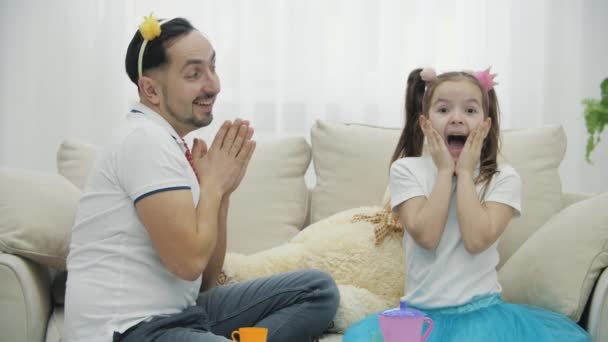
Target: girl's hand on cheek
[(441, 156), (471, 153)]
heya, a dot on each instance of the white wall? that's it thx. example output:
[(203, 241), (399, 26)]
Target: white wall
[(285, 64)]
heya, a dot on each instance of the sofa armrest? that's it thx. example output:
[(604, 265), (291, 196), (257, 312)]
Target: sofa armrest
[(569, 198), (598, 310), (560, 264), (25, 299)]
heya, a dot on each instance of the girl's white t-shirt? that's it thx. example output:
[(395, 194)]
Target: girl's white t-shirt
[(449, 275)]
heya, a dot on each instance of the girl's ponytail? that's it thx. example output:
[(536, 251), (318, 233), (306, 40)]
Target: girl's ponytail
[(412, 139), (410, 144)]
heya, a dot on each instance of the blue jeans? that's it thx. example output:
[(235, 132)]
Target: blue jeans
[(294, 306)]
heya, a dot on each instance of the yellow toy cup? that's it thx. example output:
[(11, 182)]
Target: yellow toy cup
[(253, 334)]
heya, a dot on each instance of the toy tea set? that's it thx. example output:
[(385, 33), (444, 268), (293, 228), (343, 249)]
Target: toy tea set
[(404, 324), (400, 324)]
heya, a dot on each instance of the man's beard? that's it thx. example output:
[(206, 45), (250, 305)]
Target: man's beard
[(189, 119)]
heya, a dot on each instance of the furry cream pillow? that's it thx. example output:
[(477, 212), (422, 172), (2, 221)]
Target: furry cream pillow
[(37, 212), (557, 267), (370, 277)]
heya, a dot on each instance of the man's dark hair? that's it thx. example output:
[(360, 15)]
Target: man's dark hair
[(156, 50)]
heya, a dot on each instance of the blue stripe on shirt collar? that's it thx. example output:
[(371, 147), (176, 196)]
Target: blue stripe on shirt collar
[(160, 190)]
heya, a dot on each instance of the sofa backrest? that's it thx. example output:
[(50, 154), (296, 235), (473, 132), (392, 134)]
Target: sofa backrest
[(351, 163), (268, 209)]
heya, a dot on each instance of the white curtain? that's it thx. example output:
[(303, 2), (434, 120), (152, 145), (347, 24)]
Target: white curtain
[(284, 64)]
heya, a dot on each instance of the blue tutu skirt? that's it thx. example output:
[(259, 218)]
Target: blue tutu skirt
[(486, 319)]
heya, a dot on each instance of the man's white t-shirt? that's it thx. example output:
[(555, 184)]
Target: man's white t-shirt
[(115, 276), (448, 275)]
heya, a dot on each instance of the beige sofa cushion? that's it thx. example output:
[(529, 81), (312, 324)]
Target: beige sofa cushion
[(269, 207), (74, 161), (536, 155), (557, 267), (36, 215), (351, 164)]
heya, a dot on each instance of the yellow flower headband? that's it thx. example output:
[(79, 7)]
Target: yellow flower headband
[(149, 29)]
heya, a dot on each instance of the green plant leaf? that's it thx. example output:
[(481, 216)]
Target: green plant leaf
[(604, 88), (589, 149), (596, 118)]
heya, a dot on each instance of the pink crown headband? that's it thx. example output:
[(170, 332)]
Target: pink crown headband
[(485, 77)]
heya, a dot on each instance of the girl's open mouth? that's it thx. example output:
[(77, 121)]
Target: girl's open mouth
[(456, 143)]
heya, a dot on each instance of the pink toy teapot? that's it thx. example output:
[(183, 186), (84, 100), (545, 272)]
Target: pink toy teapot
[(403, 324)]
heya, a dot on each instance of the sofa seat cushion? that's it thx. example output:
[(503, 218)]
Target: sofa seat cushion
[(557, 267)]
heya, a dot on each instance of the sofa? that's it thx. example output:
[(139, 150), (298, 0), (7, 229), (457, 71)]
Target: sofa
[(553, 256)]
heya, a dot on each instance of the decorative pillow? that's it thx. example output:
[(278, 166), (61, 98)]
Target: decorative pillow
[(536, 155), (269, 207), (557, 267), (37, 212), (351, 164), (74, 161)]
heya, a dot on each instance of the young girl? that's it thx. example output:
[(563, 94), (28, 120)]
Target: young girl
[(454, 203)]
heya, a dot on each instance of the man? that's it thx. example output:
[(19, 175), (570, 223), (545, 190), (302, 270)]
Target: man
[(148, 237)]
